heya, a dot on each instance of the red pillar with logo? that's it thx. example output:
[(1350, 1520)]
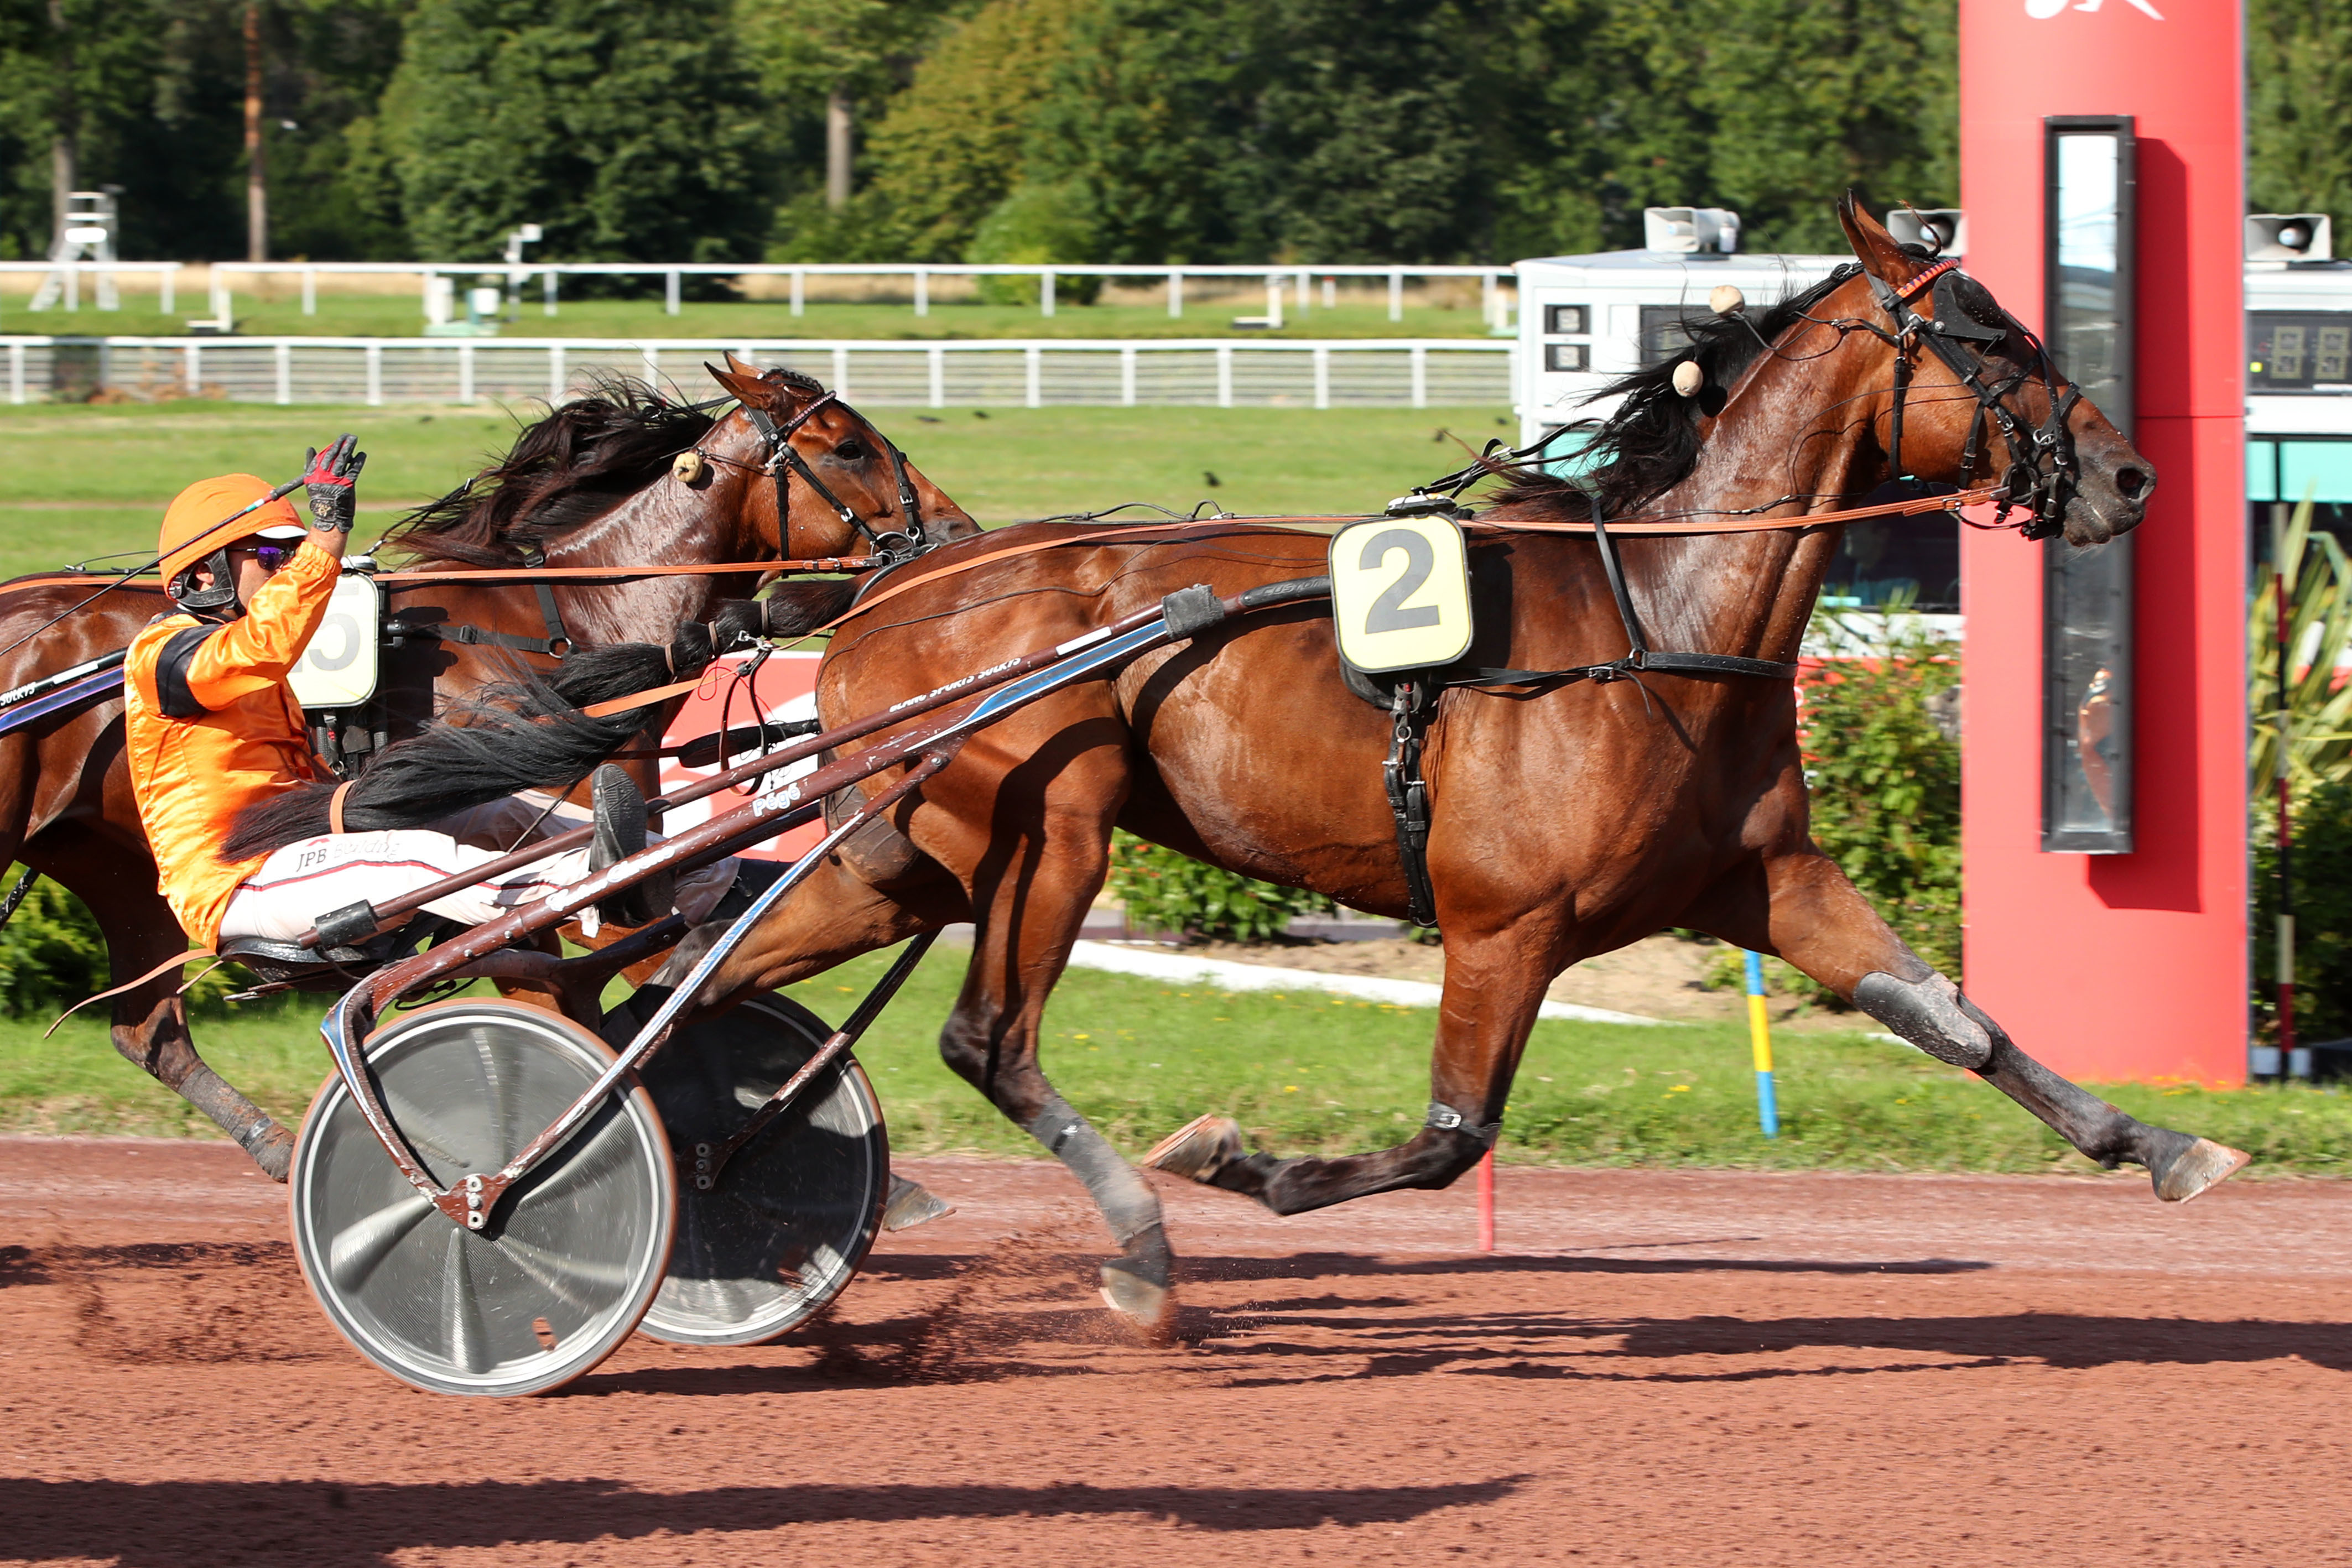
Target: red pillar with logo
[(2127, 965)]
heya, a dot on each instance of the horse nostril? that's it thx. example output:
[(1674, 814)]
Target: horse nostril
[(2130, 483)]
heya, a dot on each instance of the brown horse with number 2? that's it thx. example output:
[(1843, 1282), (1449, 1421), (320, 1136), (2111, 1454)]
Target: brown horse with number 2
[(1569, 818), (592, 484)]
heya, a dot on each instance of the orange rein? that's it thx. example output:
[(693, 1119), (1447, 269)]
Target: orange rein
[(1293, 525)]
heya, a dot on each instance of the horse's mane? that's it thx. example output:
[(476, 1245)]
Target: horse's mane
[(1650, 443), (570, 468)]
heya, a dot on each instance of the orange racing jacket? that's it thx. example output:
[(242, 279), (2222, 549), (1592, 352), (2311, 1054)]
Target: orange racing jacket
[(212, 726)]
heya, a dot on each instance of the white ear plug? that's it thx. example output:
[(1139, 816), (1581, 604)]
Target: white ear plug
[(1725, 297), (1689, 377), (688, 467)]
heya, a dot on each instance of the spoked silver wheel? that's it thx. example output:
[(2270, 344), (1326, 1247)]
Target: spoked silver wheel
[(790, 1219), (571, 1256)]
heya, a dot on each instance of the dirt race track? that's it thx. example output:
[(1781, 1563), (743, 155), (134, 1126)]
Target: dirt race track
[(1658, 1369)]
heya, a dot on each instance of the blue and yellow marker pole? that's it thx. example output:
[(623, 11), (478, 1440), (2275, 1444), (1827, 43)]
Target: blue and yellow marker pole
[(1759, 1035)]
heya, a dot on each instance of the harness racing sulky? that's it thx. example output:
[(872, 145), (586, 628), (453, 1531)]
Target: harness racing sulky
[(1549, 726)]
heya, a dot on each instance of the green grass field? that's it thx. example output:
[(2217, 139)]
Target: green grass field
[(400, 316), (1308, 1072), (79, 482)]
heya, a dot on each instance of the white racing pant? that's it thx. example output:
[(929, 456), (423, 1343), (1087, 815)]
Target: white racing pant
[(287, 894)]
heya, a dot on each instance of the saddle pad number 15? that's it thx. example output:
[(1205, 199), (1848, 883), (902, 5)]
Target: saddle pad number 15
[(1401, 593), (338, 667)]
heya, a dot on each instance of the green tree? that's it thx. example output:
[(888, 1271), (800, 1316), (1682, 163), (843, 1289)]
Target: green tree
[(2299, 109), (953, 145), (628, 132)]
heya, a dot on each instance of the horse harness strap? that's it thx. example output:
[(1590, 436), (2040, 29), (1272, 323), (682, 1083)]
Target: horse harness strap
[(1408, 793), (555, 644), (782, 457)]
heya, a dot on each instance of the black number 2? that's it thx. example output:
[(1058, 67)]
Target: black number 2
[(1389, 612)]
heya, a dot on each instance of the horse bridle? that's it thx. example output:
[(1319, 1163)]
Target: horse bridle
[(900, 544), (2041, 475)]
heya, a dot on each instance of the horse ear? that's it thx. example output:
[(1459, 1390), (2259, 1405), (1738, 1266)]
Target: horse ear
[(1877, 249), (744, 385), (741, 367)]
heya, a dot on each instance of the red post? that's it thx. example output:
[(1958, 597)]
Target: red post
[(2285, 821), (1486, 1203)]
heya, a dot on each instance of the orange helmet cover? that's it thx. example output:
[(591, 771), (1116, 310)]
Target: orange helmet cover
[(191, 524)]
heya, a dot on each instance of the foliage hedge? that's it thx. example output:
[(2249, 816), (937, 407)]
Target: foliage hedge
[(52, 956)]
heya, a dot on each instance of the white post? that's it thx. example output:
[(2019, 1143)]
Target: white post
[(1419, 376), (168, 287), (1175, 294), (1306, 287), (466, 374), (922, 292), (15, 372), (938, 367), (1396, 294), (555, 375), (1486, 298), (1126, 375), (670, 292), (1322, 357), (310, 291), (283, 355), (1045, 293), (191, 370), (1224, 375), (220, 297), (1330, 293), (1033, 365), (376, 375), (547, 292), (650, 357), (1274, 300), (800, 292), (73, 285), (840, 372)]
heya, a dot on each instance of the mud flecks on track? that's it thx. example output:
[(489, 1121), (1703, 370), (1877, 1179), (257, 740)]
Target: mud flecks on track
[(1667, 1368)]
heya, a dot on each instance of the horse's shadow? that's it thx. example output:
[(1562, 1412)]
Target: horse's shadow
[(190, 1525)]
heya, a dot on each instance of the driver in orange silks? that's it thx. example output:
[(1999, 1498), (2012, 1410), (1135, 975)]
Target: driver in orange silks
[(213, 726)]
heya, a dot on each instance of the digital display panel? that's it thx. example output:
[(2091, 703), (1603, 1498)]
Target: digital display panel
[(2295, 351), (2086, 773)]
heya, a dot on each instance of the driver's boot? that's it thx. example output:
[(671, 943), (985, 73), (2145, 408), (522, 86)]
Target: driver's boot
[(618, 811)]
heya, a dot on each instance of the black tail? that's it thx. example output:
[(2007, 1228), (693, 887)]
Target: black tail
[(520, 736)]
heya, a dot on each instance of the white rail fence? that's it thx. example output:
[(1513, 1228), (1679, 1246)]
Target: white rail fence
[(1352, 373)]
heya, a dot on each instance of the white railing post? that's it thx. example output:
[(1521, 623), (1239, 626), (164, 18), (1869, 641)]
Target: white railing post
[(1486, 298), (1274, 300), (466, 374), (1331, 294), (73, 285), (1419, 376), (556, 375), (1396, 294), (1045, 293), (285, 358), (1224, 375), (15, 372), (650, 357), (1306, 287), (669, 293), (310, 291), (1322, 357), (939, 369), (1126, 375), (1032, 368), (800, 292), (168, 287), (840, 373), (547, 292), (922, 292), (191, 368), (221, 304), (1175, 294), (376, 375)]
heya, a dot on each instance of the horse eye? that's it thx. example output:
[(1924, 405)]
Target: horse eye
[(849, 451)]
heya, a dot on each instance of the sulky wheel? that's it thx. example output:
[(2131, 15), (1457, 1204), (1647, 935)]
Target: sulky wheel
[(571, 1254), (789, 1221)]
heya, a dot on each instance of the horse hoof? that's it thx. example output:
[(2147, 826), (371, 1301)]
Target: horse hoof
[(273, 1151), (1199, 1149), (2201, 1165), (1149, 1307), (911, 1204)]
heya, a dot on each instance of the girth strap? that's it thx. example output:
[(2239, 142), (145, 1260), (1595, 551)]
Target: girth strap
[(1407, 794)]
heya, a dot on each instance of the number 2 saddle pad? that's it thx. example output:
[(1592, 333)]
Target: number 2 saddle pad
[(1401, 593)]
